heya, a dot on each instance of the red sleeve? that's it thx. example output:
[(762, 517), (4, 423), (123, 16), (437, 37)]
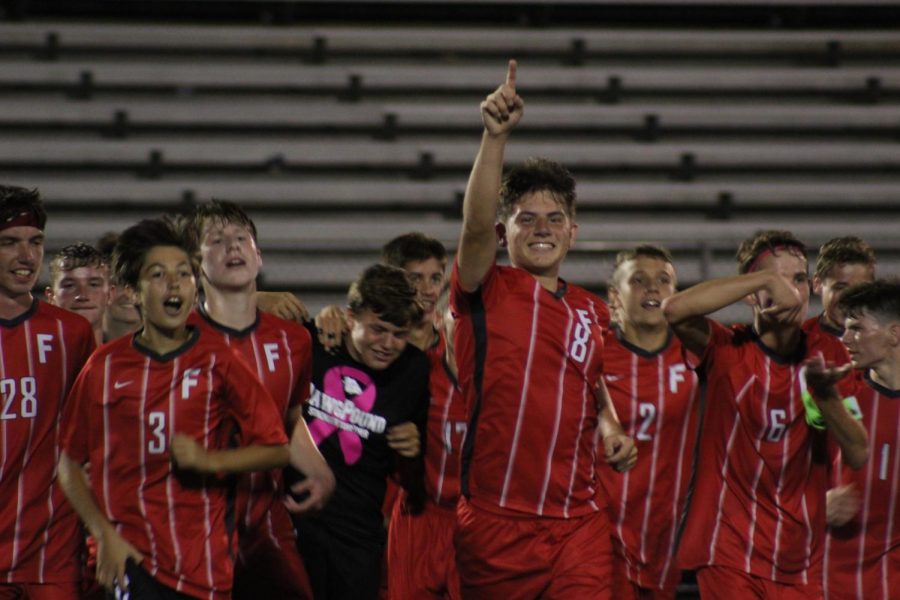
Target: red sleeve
[(719, 337), (251, 406), (75, 421), (460, 299)]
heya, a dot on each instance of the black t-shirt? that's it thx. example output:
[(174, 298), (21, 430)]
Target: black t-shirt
[(349, 411)]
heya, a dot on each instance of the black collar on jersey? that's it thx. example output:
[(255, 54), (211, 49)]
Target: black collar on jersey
[(192, 339), (561, 289), (225, 328), (638, 350), (880, 388), (798, 356), (828, 328), (23, 317)]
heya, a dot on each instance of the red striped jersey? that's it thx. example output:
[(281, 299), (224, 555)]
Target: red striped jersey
[(41, 352), (446, 429), (280, 353), (529, 361), (818, 326), (123, 410), (759, 498), (862, 557), (655, 395)]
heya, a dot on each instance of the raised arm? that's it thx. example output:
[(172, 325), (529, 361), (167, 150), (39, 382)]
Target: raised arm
[(500, 112), (686, 311), (848, 432)]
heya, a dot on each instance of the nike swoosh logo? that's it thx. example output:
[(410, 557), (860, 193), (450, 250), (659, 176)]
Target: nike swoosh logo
[(120, 384), (612, 378)]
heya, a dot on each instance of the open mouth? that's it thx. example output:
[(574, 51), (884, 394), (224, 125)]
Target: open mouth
[(652, 304), (24, 274), (173, 305), (235, 262)]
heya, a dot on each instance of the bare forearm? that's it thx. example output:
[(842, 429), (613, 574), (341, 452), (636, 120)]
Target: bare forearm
[(73, 482), (305, 455), (608, 420), (248, 458), (710, 296), (482, 191), (478, 241)]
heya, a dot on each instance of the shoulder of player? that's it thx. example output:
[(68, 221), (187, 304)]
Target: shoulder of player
[(68, 318), (292, 329)]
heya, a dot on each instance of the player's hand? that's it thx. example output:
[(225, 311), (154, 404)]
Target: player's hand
[(331, 324), (112, 553), (502, 110), (821, 378), (315, 491), (784, 303), (404, 439), (841, 504), (621, 453), (282, 304), (188, 454)]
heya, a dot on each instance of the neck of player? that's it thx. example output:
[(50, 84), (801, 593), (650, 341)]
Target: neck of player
[(887, 373), (11, 306), (650, 338), (234, 309), (163, 340), (782, 339)]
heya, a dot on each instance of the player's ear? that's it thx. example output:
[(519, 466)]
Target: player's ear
[(48, 294), (894, 334), (817, 285), (500, 228), (613, 298)]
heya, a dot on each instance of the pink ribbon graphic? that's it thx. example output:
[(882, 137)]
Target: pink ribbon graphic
[(333, 382)]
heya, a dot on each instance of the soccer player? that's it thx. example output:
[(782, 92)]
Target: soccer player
[(421, 557), (862, 552), (268, 564), (655, 393), (153, 414), (529, 350), (42, 348), (79, 282), (368, 404), (842, 262), (756, 523), (120, 317)]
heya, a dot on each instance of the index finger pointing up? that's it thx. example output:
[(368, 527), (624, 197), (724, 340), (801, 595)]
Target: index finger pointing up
[(511, 74)]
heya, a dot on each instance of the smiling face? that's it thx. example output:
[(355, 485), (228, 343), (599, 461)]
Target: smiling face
[(83, 290), (373, 342), (21, 253), (229, 257), (838, 279), (166, 289), (641, 284), (538, 234), (427, 276)]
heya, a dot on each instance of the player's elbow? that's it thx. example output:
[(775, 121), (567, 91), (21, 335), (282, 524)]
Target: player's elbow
[(674, 309), (855, 455)]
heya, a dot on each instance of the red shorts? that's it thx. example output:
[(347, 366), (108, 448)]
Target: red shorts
[(39, 591), (507, 557), (269, 564), (725, 583), (420, 555), (625, 589)]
